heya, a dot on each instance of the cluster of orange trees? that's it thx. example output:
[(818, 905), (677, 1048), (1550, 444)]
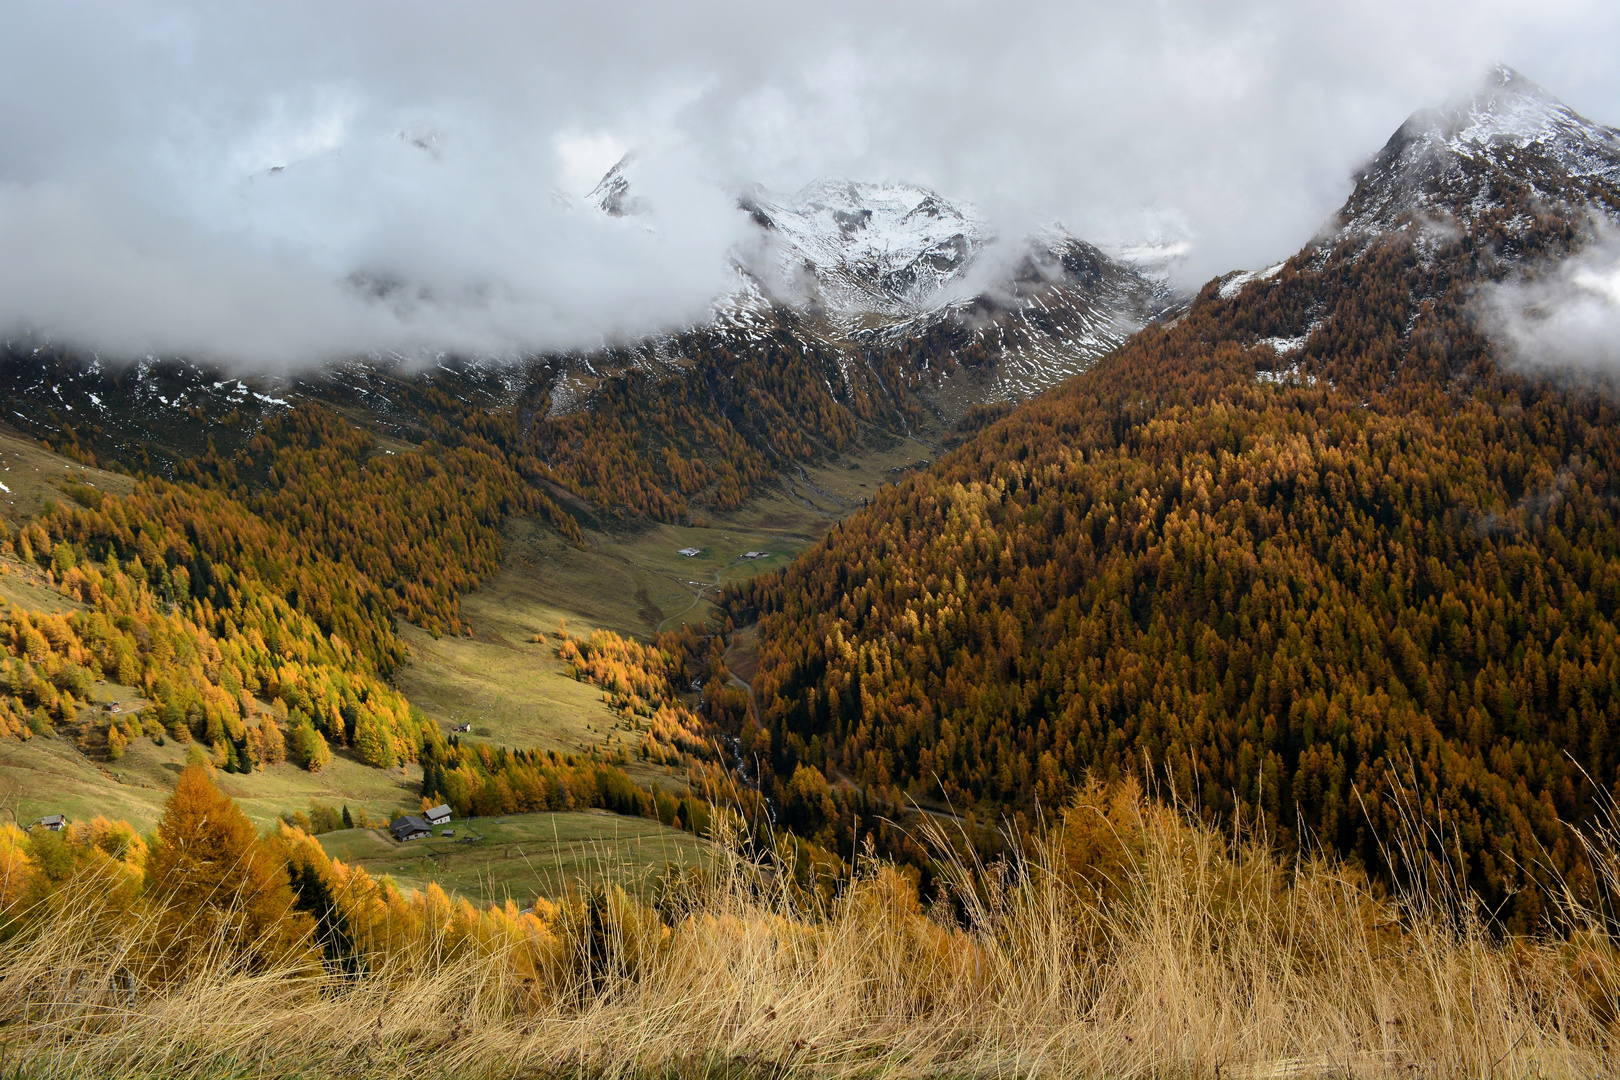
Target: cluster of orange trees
[(206, 894), (208, 610), (210, 891), (420, 527), (726, 754), (642, 684), (1377, 576), (204, 878), (477, 779)]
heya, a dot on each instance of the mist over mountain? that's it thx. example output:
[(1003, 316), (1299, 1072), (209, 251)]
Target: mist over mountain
[(1562, 313), (1293, 553), (279, 188)]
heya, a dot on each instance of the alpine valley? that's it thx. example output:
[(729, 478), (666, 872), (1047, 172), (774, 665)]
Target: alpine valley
[(926, 539)]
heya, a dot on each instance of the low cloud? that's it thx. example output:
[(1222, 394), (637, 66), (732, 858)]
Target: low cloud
[(1566, 317), (278, 185), (381, 249)]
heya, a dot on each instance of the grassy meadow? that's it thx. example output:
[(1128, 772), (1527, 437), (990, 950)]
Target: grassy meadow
[(51, 775), (34, 476), (631, 580), (521, 856)]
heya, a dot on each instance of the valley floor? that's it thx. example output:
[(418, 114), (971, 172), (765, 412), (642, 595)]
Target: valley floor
[(520, 857), (630, 580), (512, 689)]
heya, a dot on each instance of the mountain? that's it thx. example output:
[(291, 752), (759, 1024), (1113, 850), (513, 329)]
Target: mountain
[(1310, 553), (1506, 179), (1048, 315), (860, 265), (856, 250), (159, 416), (1449, 161), (611, 195), (863, 313), (1312, 556)]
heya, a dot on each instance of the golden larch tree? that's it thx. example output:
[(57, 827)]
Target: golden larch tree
[(218, 892)]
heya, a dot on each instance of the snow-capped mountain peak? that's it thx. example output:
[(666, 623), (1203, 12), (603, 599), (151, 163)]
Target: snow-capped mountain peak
[(1509, 109), (864, 265), (611, 195), (1439, 164), (889, 248), (843, 247)]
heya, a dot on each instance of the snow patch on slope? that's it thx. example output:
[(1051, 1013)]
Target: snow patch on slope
[(1234, 283), (1282, 346)]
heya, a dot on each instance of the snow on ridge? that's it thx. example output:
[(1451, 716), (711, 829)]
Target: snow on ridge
[(1507, 125), (869, 261), (890, 248), (1234, 284), (1510, 110), (611, 195)]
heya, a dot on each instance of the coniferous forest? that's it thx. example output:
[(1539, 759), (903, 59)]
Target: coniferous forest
[(1373, 577)]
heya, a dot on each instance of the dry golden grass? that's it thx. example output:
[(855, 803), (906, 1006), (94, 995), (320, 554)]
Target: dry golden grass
[(1128, 942)]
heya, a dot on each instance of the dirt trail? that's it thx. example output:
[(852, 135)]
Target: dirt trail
[(696, 599)]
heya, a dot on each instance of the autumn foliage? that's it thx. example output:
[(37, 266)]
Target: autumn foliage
[(703, 419), (211, 882), (1376, 573), (1125, 937), (184, 614)]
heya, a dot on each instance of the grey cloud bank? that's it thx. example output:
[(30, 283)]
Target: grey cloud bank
[(1568, 316), (279, 185)]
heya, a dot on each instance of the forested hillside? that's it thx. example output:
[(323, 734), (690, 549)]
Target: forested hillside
[(665, 441), (667, 428), (1314, 553)]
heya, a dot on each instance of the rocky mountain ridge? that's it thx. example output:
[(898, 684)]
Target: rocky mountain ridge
[(858, 264), (1448, 164)]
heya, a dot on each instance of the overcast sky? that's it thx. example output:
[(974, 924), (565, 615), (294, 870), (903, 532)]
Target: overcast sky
[(280, 184)]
